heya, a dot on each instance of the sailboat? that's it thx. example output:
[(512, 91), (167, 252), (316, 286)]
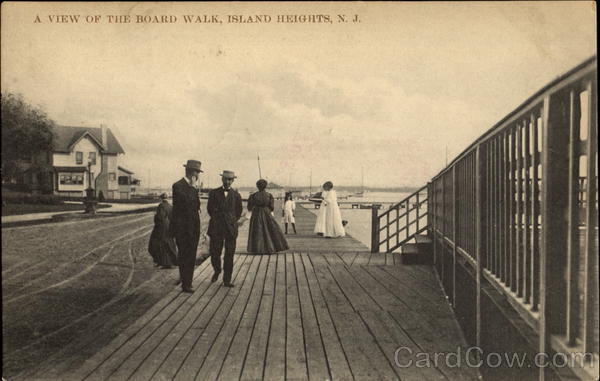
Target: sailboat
[(361, 193)]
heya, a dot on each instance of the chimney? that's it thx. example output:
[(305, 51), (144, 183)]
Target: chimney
[(104, 136)]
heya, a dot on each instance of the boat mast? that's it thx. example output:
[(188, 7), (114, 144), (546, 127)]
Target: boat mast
[(362, 180), (259, 171)]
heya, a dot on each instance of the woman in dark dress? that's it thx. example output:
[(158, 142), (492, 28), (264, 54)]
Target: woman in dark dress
[(162, 245), (265, 235)]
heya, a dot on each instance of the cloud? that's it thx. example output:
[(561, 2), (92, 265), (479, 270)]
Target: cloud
[(299, 120), (388, 95)]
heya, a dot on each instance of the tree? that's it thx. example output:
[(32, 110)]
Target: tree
[(273, 185), (26, 130)]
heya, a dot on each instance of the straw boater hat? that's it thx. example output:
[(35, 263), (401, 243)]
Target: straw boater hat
[(193, 164), (228, 175)]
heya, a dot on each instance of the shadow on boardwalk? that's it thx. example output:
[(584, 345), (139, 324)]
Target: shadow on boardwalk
[(327, 309)]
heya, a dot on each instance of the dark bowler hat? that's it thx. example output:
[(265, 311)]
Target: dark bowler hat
[(228, 175), (193, 164)]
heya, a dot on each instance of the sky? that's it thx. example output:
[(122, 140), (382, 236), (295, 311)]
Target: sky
[(391, 95)]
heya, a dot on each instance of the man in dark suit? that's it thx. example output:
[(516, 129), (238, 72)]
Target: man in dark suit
[(185, 222), (225, 209)]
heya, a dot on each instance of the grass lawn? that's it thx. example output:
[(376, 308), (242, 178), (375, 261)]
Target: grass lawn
[(16, 209)]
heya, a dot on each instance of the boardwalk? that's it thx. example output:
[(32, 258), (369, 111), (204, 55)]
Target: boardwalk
[(331, 312)]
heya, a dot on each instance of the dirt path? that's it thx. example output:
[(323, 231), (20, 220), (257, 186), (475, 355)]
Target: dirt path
[(70, 288)]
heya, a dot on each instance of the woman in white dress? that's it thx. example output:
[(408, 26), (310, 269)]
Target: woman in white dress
[(329, 220)]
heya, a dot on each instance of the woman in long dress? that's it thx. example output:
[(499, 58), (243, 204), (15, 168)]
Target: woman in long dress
[(265, 235), (329, 218), (162, 244)]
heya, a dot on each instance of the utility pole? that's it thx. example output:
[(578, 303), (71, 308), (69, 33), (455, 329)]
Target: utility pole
[(90, 174)]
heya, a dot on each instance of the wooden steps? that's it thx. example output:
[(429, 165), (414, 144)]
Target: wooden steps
[(419, 253)]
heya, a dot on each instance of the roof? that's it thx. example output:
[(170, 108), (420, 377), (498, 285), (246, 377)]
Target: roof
[(70, 169), (66, 136), (125, 170)]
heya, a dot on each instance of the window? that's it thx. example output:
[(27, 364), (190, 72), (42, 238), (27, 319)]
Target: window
[(92, 158), (71, 179), (123, 180), (79, 157), (112, 176)]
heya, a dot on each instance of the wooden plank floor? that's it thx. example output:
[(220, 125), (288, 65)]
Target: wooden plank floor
[(327, 309)]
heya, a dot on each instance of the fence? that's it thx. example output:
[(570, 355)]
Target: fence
[(520, 206)]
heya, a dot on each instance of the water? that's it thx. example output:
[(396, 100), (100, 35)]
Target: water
[(377, 197), (359, 220)]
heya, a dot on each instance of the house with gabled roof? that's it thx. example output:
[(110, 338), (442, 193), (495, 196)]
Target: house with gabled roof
[(77, 151), (128, 184)]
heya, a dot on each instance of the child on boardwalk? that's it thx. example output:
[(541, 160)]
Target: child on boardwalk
[(289, 206)]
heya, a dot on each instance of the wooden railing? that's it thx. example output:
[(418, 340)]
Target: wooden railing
[(400, 222), (519, 207)]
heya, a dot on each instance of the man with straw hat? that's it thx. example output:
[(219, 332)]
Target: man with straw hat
[(225, 209), (185, 223)]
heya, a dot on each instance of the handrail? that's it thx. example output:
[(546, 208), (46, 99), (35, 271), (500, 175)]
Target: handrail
[(403, 226), (403, 200), (520, 203)]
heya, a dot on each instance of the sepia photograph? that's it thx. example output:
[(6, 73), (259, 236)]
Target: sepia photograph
[(299, 190)]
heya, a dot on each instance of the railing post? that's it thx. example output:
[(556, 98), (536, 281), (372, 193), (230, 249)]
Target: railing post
[(512, 208), (591, 219), (431, 220), (554, 208), (374, 231), (454, 195), (418, 215), (444, 230), (519, 209), (535, 212), (479, 243), (407, 220), (573, 222)]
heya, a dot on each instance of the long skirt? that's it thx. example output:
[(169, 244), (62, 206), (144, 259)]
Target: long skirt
[(265, 235), (329, 221), (162, 247)]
